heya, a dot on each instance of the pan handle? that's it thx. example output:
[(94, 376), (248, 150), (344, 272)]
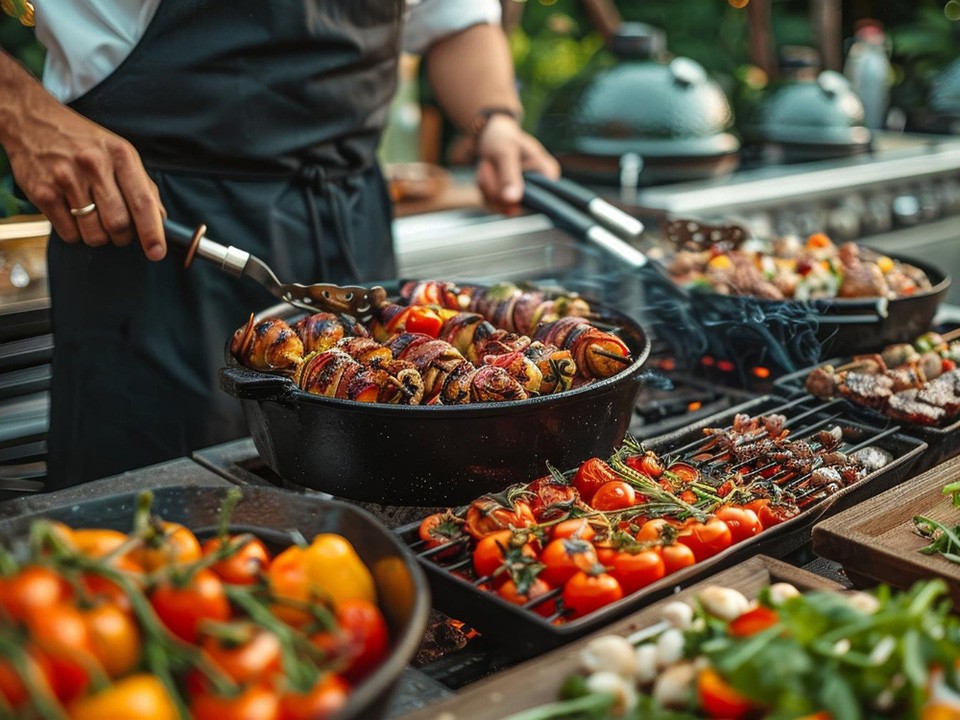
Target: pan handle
[(873, 311), (248, 384)]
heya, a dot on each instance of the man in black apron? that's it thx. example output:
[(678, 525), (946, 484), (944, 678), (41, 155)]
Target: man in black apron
[(259, 119)]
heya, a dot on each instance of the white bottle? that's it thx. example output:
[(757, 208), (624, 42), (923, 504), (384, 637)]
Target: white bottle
[(868, 69)]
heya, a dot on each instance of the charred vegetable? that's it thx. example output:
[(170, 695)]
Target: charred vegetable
[(267, 345), (598, 354), (321, 331)]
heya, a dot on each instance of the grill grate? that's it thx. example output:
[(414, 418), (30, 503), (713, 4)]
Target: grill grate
[(458, 592)]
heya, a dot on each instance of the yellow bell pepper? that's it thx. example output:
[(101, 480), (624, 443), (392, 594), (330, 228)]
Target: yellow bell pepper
[(334, 570), (720, 262)]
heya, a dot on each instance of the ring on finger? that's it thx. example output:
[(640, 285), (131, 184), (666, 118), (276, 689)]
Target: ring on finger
[(85, 210)]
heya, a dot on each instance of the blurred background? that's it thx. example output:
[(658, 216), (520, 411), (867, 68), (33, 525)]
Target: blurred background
[(740, 43)]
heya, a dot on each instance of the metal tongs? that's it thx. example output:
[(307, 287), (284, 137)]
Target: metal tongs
[(351, 299)]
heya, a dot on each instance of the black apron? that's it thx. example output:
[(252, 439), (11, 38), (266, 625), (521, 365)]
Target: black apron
[(261, 120)]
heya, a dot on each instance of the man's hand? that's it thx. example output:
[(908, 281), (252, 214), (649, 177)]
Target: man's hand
[(504, 151), (61, 161)]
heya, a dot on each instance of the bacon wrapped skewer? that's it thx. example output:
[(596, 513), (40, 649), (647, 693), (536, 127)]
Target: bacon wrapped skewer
[(506, 305), (598, 354), (448, 377), (407, 385), (268, 345), (333, 373), (473, 337), (557, 367), (321, 331)]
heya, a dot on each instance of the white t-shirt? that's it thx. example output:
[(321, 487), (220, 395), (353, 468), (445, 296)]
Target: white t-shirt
[(87, 39)]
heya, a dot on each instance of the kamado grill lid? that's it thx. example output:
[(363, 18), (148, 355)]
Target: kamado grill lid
[(631, 99)]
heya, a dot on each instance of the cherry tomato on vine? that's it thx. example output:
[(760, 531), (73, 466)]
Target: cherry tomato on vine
[(135, 697), (33, 587), (114, 638), (591, 476), (586, 592), (576, 528), (614, 495), (256, 702), (647, 464), (12, 688), (656, 530), (182, 608), (367, 637), (323, 701), (97, 542), (706, 539), (173, 545), (564, 557), (549, 499), (255, 657), (743, 522), (538, 588), (487, 515), (677, 556), (244, 566), (498, 548), (637, 570), (441, 528)]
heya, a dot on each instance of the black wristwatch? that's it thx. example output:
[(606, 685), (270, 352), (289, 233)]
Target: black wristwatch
[(480, 120)]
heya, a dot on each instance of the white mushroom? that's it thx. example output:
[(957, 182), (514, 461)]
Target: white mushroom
[(646, 663), (669, 647), (678, 614), (864, 602), (610, 653), (609, 683), (672, 689), (723, 602), (780, 592)]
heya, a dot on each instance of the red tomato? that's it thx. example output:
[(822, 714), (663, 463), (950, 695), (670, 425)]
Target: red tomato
[(487, 515), (419, 319), (563, 558), (637, 570), (646, 464), (586, 592), (538, 588), (683, 472), (549, 499), (33, 587), (769, 513), (182, 608), (706, 539), (719, 699), (441, 528), (367, 636), (12, 688), (656, 530), (326, 698), (254, 658), (753, 621), (676, 557), (498, 549), (256, 702), (576, 528), (743, 522), (614, 495), (591, 476), (244, 566)]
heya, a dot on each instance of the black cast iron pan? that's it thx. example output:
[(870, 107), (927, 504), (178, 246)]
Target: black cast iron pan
[(432, 455)]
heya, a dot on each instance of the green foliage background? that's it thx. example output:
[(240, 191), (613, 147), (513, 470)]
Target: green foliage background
[(555, 42)]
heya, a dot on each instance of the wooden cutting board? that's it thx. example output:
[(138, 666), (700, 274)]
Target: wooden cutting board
[(538, 681), (876, 540)]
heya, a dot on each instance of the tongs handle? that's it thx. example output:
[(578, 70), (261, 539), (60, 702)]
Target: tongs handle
[(609, 215), (194, 242), (574, 221)]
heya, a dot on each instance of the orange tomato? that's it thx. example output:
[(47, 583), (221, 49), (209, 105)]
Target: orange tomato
[(256, 702), (35, 586), (136, 697), (244, 566), (177, 545), (323, 701), (114, 638)]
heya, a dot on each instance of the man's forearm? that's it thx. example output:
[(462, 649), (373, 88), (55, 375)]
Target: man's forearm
[(473, 70), (23, 97)]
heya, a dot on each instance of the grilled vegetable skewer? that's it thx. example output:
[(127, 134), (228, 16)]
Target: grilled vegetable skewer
[(321, 331), (270, 345), (598, 354)]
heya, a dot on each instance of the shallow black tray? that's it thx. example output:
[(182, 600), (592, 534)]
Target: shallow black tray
[(943, 440), (271, 514), (528, 634)]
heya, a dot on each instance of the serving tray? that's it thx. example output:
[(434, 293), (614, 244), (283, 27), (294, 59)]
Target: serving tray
[(875, 541), (539, 680), (526, 633)]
